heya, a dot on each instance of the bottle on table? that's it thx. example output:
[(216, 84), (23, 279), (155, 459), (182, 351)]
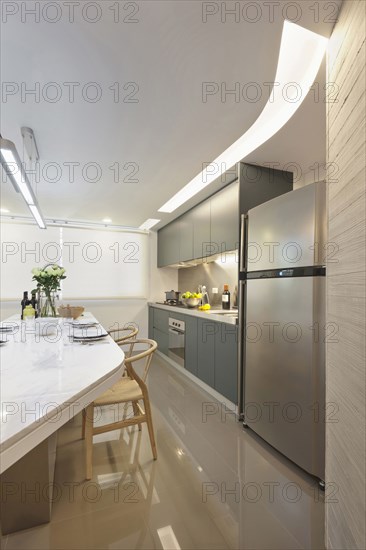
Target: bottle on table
[(25, 302), (29, 313), (34, 302), (226, 298)]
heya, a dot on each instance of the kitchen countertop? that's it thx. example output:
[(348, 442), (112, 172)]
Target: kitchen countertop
[(211, 314)]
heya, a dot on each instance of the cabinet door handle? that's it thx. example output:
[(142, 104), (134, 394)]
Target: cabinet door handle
[(175, 331)]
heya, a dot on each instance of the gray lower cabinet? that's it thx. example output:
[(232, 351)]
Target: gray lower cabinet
[(161, 319), (151, 322), (226, 361), (191, 344), (162, 339), (158, 328), (211, 349), (206, 351)]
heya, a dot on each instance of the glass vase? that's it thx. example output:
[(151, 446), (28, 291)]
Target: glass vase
[(48, 304)]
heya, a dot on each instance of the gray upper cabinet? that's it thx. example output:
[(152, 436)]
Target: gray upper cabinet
[(185, 228), (213, 226), (259, 184), (201, 229), (225, 218), (168, 245)]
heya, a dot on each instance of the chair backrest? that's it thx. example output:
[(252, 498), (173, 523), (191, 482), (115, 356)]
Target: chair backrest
[(122, 334), (146, 354)]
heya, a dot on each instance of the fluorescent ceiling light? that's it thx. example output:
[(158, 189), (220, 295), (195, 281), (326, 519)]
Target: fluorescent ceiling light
[(14, 170), (37, 215), (107, 220), (4, 210), (301, 53), (149, 224)]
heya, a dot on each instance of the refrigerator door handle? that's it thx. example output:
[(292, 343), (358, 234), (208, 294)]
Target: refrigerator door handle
[(241, 349), (243, 244)]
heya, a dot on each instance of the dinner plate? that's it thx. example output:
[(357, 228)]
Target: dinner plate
[(89, 338)]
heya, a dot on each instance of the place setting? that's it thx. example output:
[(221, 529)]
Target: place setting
[(5, 330), (88, 334)]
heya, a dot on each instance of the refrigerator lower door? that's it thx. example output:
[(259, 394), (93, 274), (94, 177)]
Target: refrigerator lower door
[(284, 366)]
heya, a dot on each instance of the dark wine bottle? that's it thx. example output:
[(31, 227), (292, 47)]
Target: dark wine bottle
[(24, 302), (34, 302), (226, 298)]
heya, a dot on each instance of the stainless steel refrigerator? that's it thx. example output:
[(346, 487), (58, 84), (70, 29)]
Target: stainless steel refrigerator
[(282, 324)]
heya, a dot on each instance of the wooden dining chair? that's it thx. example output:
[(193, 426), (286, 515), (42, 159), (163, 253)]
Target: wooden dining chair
[(122, 334), (131, 389)]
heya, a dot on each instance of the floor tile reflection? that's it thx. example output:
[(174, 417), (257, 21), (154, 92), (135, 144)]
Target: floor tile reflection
[(214, 484)]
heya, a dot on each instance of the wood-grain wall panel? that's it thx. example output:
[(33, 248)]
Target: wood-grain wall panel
[(346, 278)]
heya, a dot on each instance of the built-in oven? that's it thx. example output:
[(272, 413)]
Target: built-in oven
[(177, 340)]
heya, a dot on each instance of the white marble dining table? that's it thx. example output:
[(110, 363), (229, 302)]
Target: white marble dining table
[(46, 378)]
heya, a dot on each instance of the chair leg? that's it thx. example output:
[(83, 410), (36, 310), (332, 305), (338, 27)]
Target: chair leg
[(83, 424), (89, 414), (150, 427), (136, 412)]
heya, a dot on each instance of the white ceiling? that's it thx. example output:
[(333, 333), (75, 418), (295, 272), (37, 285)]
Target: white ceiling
[(170, 132)]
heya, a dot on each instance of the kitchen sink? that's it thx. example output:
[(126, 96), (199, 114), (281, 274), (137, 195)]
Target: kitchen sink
[(228, 312)]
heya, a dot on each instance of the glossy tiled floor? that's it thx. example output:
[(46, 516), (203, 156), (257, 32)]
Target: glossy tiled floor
[(213, 485)]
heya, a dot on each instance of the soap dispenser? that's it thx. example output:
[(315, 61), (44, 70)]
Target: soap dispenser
[(205, 298)]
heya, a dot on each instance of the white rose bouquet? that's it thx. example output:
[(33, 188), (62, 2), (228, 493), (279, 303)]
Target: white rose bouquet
[(48, 281)]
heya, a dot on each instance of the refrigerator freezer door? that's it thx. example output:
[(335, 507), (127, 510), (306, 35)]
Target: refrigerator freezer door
[(284, 367), (288, 231)]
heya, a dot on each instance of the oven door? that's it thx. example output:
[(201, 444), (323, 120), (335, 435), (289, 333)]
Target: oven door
[(176, 346)]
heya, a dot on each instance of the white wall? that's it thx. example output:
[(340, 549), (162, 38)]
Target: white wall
[(112, 312)]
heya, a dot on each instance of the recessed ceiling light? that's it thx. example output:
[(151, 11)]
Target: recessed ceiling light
[(4, 210), (301, 53), (107, 220), (149, 224)]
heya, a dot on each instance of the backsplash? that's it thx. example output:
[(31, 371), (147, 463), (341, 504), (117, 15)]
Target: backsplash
[(213, 274)]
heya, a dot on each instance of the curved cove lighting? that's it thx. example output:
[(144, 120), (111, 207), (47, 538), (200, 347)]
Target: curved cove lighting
[(301, 53)]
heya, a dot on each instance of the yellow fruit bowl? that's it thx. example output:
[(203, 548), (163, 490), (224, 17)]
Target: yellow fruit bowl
[(191, 302)]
